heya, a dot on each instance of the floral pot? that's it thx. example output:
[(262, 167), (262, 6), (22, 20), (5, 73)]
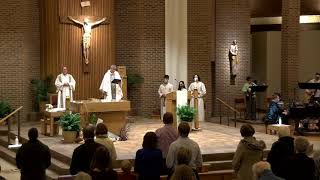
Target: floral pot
[(69, 136)]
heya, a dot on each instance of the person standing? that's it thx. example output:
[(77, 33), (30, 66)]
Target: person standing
[(201, 88), (164, 89), (181, 86), (250, 99), (65, 85), (33, 158), (111, 85)]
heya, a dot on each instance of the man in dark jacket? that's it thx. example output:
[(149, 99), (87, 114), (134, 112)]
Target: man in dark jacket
[(33, 158), (82, 155), (275, 111), (280, 154)]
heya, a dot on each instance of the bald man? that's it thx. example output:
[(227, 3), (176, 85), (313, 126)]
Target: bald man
[(111, 85)]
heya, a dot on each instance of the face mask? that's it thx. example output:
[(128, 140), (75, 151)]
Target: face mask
[(195, 79)]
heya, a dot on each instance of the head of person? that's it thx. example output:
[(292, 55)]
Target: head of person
[(183, 172), (150, 140), (168, 118), (82, 176), (101, 129), (234, 42), (165, 79), (249, 79), (33, 134), (196, 78), (301, 144), (126, 166), (184, 129), (276, 97), (184, 155), (113, 68), (317, 76), (88, 132), (65, 70), (283, 132), (260, 167), (181, 85), (100, 159), (86, 20), (247, 130)]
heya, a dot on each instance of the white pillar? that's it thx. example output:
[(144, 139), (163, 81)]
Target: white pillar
[(176, 40)]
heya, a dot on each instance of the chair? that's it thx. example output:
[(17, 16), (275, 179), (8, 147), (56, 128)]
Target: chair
[(239, 104), (53, 99)]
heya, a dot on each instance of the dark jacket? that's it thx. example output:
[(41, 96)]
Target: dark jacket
[(33, 158), (274, 112), (301, 167), (249, 152), (268, 175), (82, 155), (148, 164), (107, 174), (280, 154)]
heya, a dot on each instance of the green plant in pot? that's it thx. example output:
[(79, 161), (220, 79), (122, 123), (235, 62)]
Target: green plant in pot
[(41, 88), (134, 80), (186, 113), (70, 124), (5, 109)]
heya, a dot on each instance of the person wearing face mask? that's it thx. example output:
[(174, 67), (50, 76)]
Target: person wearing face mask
[(275, 110), (198, 85), (164, 89)]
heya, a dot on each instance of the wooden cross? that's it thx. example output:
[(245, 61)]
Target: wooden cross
[(87, 23)]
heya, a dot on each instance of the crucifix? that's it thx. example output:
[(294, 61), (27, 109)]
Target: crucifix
[(87, 23)]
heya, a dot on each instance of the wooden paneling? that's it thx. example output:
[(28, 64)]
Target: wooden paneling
[(61, 43)]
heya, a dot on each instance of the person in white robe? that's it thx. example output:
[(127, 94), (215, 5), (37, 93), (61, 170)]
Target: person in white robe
[(65, 85), (111, 85), (197, 84), (164, 89)]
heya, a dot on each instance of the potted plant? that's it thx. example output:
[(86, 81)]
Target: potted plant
[(41, 88), (134, 80), (93, 119), (70, 124), (186, 113), (5, 109)]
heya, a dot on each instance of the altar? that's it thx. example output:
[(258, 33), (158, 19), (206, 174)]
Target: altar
[(113, 114)]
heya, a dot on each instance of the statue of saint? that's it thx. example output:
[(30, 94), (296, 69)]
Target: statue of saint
[(86, 38), (233, 59)]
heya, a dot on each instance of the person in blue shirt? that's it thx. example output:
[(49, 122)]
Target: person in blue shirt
[(275, 111), (149, 162)]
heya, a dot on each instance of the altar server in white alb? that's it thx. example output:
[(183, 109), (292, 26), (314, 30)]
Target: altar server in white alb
[(197, 84), (111, 85), (65, 86), (164, 89)]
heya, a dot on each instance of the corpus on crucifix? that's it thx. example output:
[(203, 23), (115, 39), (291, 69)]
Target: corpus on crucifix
[(86, 37)]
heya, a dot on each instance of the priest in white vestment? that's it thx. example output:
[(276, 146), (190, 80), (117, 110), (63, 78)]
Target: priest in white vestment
[(197, 84), (164, 89), (111, 85), (65, 86)]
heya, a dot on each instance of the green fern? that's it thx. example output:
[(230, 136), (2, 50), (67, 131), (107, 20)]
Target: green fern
[(5, 109), (186, 113), (70, 122)]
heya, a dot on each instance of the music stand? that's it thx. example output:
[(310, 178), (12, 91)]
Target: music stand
[(257, 89)]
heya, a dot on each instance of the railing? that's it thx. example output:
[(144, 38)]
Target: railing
[(230, 108), (7, 118)]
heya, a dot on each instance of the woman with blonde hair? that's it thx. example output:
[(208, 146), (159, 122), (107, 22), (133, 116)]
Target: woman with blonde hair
[(183, 172)]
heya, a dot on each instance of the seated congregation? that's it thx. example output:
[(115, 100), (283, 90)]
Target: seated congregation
[(172, 154)]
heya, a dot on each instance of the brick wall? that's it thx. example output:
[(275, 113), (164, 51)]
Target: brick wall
[(290, 31), (232, 22), (140, 46), (19, 51), (200, 46)]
